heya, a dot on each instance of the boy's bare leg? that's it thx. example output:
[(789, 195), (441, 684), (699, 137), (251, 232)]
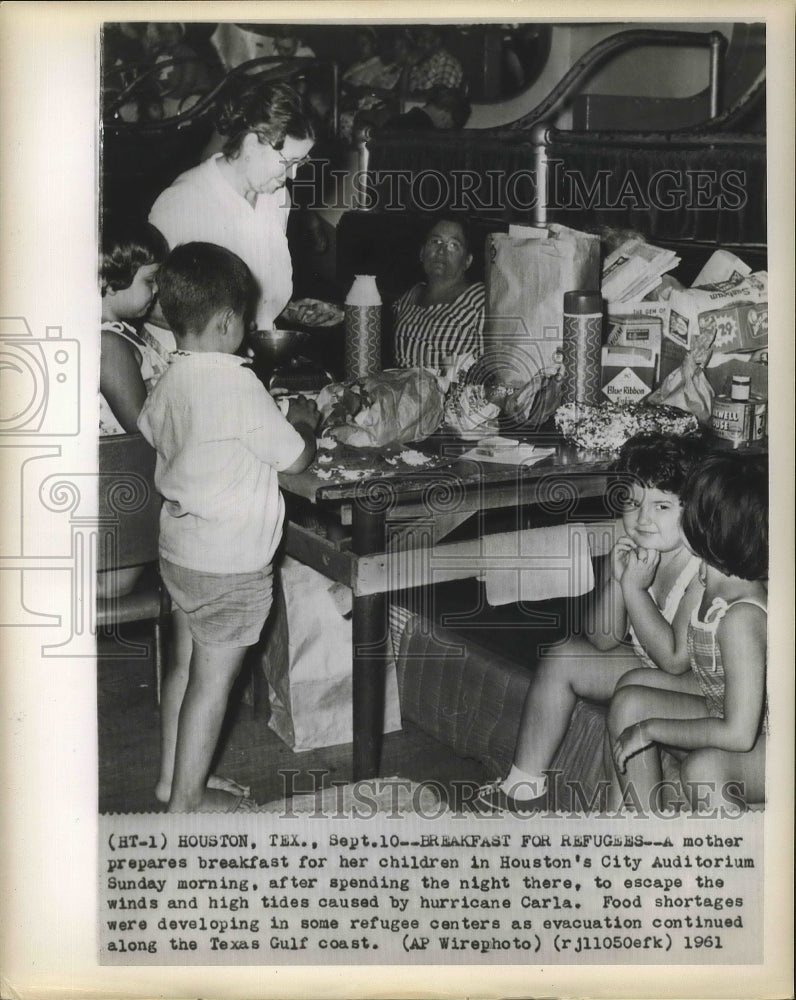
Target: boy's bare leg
[(574, 669), (171, 696), (213, 670), (172, 693)]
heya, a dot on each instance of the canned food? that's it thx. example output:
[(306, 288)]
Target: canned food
[(741, 387), (739, 421)]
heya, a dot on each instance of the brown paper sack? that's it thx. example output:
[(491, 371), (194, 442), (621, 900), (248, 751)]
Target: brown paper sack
[(528, 271), (309, 684)]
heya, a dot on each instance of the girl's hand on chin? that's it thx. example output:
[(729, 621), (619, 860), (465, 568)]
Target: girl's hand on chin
[(619, 555), (642, 565)]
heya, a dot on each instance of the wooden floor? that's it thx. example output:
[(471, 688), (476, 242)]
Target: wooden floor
[(251, 753)]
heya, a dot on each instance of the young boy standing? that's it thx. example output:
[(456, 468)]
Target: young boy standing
[(221, 441)]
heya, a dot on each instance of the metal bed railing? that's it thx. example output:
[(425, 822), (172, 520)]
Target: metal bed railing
[(598, 55), (265, 68)]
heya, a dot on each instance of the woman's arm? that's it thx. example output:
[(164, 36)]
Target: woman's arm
[(742, 641), (665, 644), (120, 379)]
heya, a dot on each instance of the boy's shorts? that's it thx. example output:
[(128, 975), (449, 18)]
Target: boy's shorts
[(223, 609)]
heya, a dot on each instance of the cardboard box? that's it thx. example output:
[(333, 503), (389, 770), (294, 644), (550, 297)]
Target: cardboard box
[(736, 312), (740, 327), (637, 324), (628, 373)]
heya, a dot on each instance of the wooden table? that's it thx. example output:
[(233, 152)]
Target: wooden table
[(399, 516)]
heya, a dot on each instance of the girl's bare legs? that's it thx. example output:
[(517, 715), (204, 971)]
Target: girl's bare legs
[(648, 694), (719, 779), (572, 670)]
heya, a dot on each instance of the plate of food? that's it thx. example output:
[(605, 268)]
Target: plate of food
[(312, 312)]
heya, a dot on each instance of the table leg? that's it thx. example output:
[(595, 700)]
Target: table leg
[(370, 649), (370, 634)]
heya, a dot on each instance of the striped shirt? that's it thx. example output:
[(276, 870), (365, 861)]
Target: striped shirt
[(426, 335)]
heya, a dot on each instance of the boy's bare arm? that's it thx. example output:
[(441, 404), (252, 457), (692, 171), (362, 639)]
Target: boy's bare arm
[(302, 414)]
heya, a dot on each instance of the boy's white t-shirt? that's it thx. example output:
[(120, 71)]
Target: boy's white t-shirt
[(221, 440)]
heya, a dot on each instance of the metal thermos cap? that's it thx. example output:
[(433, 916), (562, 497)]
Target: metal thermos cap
[(581, 303)]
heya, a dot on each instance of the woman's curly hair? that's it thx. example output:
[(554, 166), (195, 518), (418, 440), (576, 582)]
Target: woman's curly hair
[(273, 111)]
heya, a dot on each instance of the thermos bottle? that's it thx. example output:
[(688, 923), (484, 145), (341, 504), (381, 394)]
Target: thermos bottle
[(582, 347), (362, 327)]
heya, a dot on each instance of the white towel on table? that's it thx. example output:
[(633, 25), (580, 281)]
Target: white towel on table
[(542, 563)]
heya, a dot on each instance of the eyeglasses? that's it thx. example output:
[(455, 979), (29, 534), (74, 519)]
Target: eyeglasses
[(292, 164), (438, 243)]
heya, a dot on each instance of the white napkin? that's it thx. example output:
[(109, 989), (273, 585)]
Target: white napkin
[(524, 454), (542, 563)]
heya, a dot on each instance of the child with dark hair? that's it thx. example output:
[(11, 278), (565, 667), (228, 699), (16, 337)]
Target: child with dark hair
[(221, 442), (715, 712), (649, 589), (129, 259)]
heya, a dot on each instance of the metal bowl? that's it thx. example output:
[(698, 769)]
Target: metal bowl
[(276, 347)]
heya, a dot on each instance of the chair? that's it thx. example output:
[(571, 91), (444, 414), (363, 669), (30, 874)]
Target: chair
[(129, 513)]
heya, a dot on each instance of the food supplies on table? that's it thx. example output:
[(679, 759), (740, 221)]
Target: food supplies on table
[(635, 269), (605, 428), (637, 324), (740, 421), (628, 374), (528, 271), (687, 387), (469, 412), (722, 265), (386, 408), (736, 311)]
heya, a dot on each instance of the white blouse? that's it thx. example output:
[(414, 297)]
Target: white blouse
[(201, 206)]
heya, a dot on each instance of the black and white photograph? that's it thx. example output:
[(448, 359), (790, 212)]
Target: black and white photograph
[(436, 349)]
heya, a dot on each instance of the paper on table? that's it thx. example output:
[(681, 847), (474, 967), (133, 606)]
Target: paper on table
[(524, 454), (541, 563)]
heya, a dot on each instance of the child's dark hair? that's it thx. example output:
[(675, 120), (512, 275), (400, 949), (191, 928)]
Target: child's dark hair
[(725, 514), (199, 279), (657, 461), (125, 247)]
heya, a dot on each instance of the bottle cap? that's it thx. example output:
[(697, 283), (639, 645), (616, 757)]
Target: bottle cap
[(582, 303)]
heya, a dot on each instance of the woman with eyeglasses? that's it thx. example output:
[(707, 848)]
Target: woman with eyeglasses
[(237, 198), (440, 321)]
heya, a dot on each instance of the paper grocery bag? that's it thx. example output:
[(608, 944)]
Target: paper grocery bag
[(528, 271), (309, 682)]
